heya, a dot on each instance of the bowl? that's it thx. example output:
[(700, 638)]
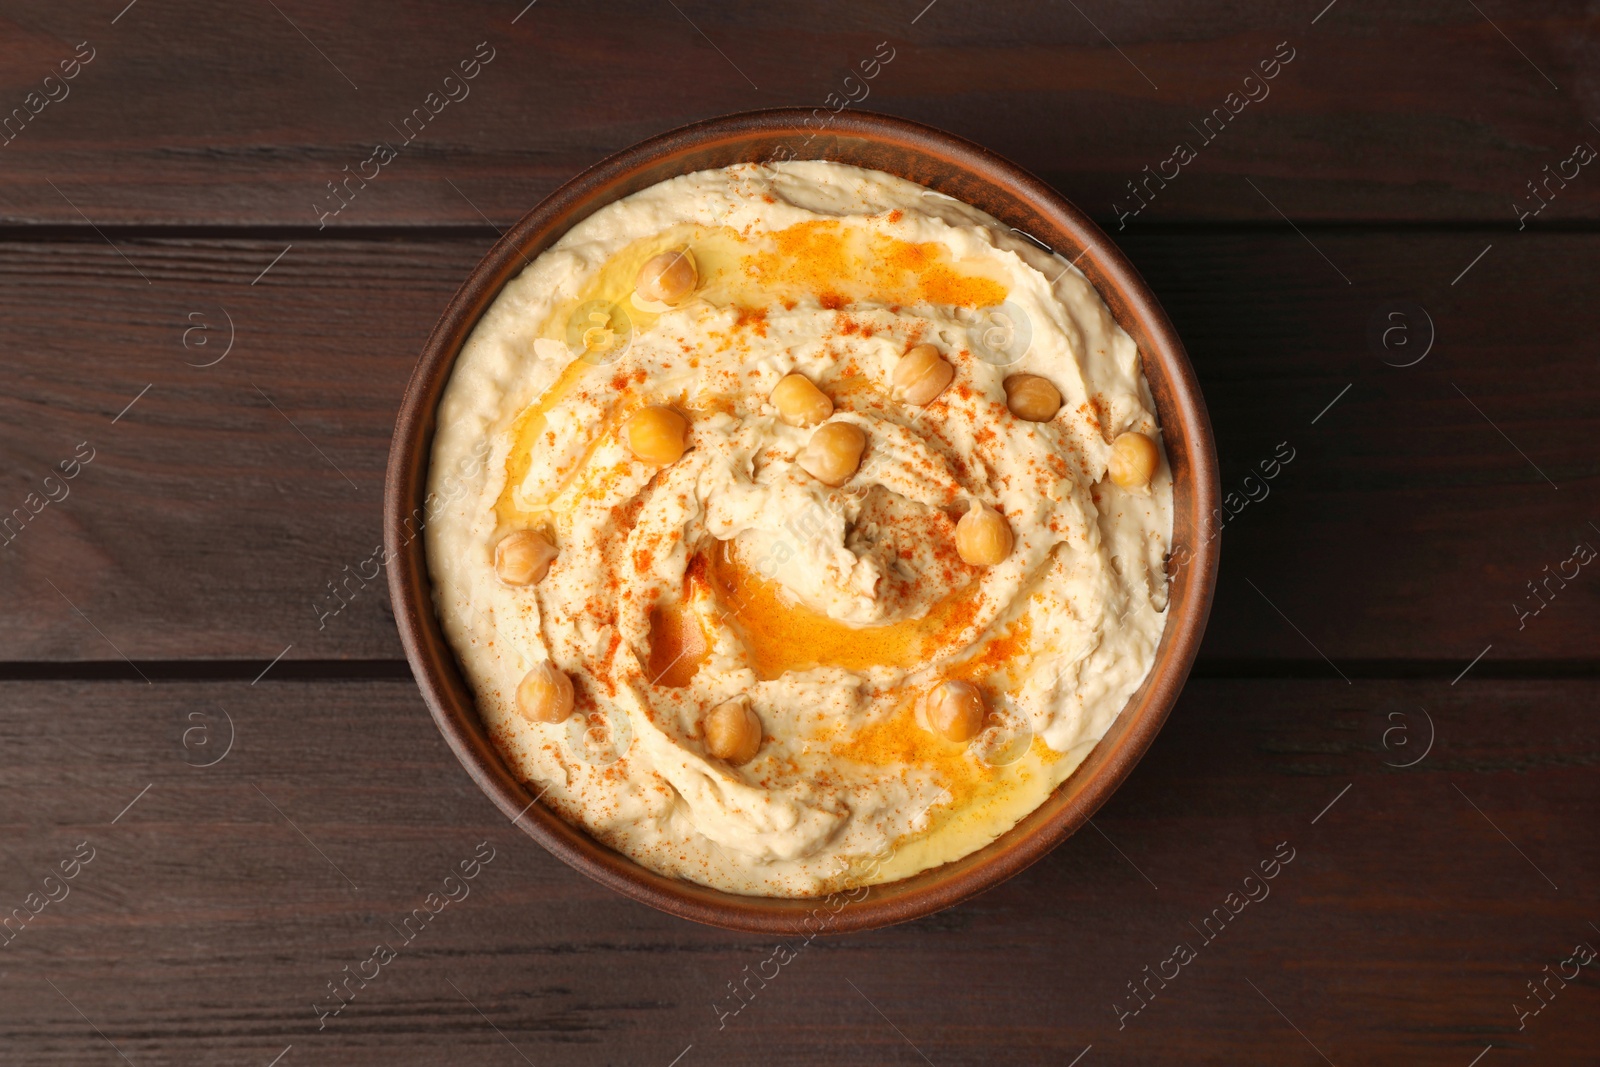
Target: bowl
[(941, 162)]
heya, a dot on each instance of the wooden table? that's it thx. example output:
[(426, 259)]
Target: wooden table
[(250, 795)]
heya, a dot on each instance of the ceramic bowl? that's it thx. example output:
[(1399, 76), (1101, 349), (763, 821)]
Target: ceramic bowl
[(946, 164)]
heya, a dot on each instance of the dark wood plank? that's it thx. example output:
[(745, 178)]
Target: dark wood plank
[(206, 925), (1430, 113), (217, 509), (1425, 499)]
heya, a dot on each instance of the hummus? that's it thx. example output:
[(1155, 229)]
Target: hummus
[(733, 573)]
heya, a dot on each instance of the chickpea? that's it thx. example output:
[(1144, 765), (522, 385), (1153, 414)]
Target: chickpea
[(667, 278), (523, 557), (921, 375), (732, 731), (801, 403), (545, 694), (657, 435), (1032, 398), (955, 710), (983, 537), (833, 453), (1134, 459)]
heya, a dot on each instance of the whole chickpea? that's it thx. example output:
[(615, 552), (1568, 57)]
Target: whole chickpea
[(955, 710), (523, 557), (657, 435), (983, 537), (667, 278), (1032, 398), (833, 454), (921, 375), (545, 694), (732, 731), (799, 402), (1133, 462)]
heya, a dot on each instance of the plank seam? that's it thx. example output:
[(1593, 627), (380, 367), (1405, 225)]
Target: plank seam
[(245, 670), (54, 231)]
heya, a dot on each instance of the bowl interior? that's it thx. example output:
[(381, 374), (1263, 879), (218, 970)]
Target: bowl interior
[(945, 164)]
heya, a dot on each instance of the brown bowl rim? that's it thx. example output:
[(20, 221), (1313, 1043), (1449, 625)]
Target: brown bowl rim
[(968, 169)]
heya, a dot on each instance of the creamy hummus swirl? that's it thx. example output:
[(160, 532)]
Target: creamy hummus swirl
[(733, 573)]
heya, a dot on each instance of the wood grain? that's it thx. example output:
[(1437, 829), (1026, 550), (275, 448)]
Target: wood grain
[(206, 924), (218, 508), (1433, 113), (182, 185)]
